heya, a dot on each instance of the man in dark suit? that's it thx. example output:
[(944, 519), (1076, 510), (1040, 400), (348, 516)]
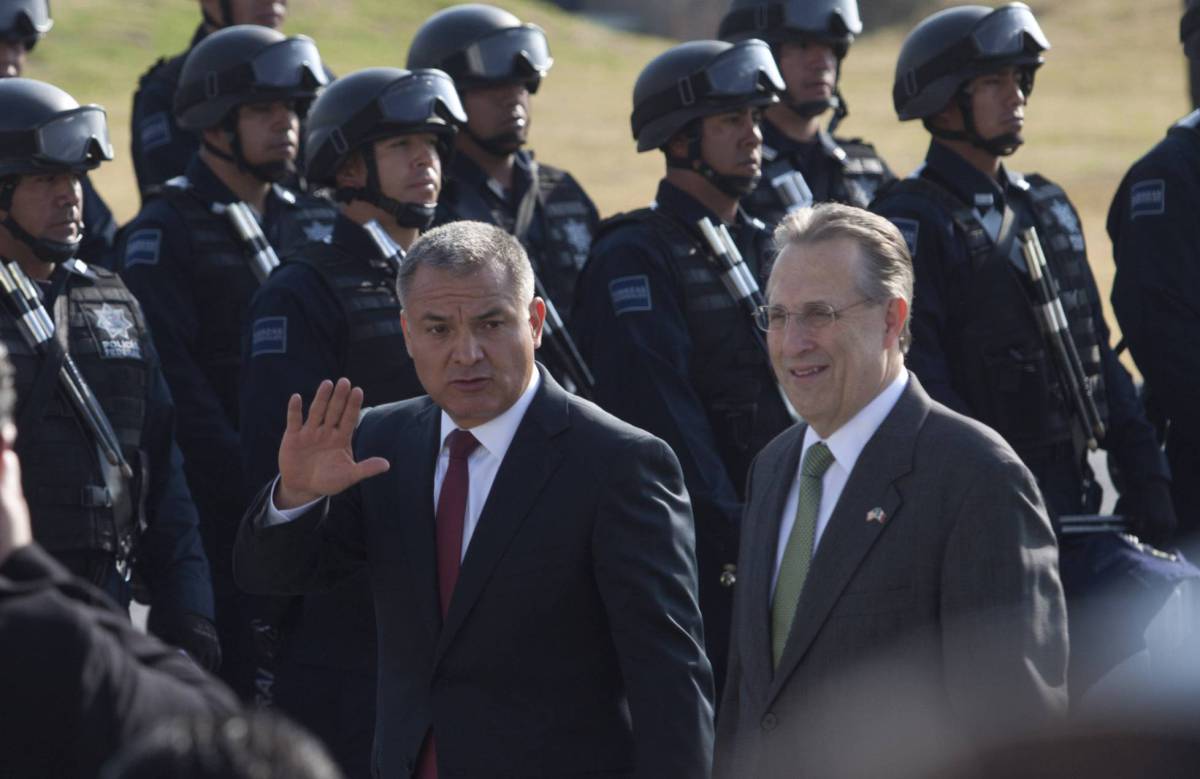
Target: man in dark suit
[(898, 573), (531, 557)]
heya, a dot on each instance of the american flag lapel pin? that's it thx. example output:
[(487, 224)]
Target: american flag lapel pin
[(876, 515)]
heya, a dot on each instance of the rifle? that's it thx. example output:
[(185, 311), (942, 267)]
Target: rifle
[(37, 328), (263, 259), (739, 283), (389, 250), (793, 190), (1053, 322)]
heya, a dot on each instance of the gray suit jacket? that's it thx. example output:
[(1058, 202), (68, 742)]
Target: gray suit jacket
[(945, 619)]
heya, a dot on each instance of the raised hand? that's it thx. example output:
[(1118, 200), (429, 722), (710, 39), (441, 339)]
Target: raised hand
[(315, 457)]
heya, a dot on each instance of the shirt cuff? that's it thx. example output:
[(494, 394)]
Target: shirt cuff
[(277, 516)]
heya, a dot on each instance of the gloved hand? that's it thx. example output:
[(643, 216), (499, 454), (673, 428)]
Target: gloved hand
[(191, 632), (1149, 503)]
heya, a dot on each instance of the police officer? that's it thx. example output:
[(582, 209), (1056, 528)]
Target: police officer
[(376, 139), (194, 273), (672, 349), (498, 63), (1156, 291), (967, 72), (161, 148), (803, 163), (104, 480), (22, 24)]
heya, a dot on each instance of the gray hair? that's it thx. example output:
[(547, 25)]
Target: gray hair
[(886, 270), (465, 248)]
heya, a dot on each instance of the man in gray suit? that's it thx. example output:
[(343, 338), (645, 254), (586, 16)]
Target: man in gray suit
[(898, 578)]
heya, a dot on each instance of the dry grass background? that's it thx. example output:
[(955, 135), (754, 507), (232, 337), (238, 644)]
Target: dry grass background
[(1113, 82)]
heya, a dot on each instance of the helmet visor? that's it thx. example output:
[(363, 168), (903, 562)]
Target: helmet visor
[(1008, 31), (74, 138), (289, 64), (747, 68), (424, 96), (832, 17), (514, 53)]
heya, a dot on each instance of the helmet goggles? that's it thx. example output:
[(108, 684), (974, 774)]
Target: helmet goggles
[(1008, 35), (512, 54), (737, 76), (289, 67), (76, 139)]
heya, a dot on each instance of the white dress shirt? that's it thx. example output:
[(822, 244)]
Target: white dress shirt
[(846, 444), (483, 464)]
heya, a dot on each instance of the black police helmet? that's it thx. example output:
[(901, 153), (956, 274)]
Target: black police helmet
[(478, 45), (363, 107), (245, 63), (698, 79), (835, 22), (25, 21), (951, 47), (42, 128)]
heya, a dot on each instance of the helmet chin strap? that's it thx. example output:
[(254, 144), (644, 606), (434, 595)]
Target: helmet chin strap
[(736, 187), (267, 172), (47, 250), (418, 215), (1001, 145)]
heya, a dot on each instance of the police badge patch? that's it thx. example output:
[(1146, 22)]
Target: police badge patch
[(1148, 198), (580, 237), (113, 331)]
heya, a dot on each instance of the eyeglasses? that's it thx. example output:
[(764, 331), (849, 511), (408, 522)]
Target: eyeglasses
[(814, 316)]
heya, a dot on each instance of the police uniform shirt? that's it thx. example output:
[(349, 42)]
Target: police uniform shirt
[(170, 557), (832, 169), (1156, 290), (943, 266), (635, 334), (189, 307), (298, 337), (160, 148)]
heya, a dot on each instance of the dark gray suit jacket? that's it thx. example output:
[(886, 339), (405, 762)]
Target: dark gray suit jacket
[(944, 620), (572, 645)]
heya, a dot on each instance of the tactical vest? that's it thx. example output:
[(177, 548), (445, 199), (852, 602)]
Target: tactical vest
[(220, 279), (72, 506), (729, 369), (373, 355), (849, 171), (558, 239), (1001, 363)]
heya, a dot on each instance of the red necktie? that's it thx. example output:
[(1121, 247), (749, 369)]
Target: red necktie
[(451, 515)]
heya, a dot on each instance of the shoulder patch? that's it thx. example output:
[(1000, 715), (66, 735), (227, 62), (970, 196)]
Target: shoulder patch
[(1148, 198), (269, 336), (910, 229), (629, 294), (143, 247), (155, 131)]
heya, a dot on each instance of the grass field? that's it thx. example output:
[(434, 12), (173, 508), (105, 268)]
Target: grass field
[(1113, 82)]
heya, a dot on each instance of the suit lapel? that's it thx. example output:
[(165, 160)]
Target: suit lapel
[(531, 459), (419, 530), (850, 535), (763, 520)]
